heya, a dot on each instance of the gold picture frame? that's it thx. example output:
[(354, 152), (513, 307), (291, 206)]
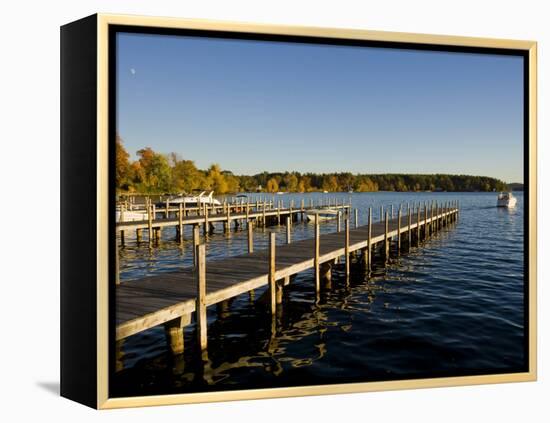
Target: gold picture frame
[(102, 22)]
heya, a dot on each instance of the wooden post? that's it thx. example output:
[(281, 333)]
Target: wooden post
[(346, 246), (180, 215), (150, 223), (272, 281), (316, 256), (339, 223), (432, 219), (386, 239), (263, 217), (391, 211), (399, 231), (228, 224), (409, 237), (117, 264), (174, 331), (369, 237), (356, 218), (426, 221), (200, 307), (418, 225), (326, 273), (205, 229), (250, 238), (288, 230), (196, 240), (250, 232), (288, 241), (167, 209), (381, 213), (138, 235)]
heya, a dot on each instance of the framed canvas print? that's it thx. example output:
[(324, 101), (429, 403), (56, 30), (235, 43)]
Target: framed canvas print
[(255, 211)]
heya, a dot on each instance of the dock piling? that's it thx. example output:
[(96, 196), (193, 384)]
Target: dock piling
[(409, 237), (200, 307), (272, 281), (117, 264), (386, 239), (399, 231), (196, 241), (346, 247), (180, 215), (369, 239), (150, 223), (418, 225), (316, 256)]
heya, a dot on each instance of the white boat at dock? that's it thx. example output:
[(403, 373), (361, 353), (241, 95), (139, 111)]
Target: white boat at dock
[(506, 199), (192, 200), (322, 214), (130, 215)]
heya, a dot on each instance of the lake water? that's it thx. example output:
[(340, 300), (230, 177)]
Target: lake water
[(454, 306)]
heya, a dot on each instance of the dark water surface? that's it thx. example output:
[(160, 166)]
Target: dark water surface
[(454, 306)]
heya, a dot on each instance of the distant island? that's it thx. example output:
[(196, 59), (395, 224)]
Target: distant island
[(155, 173)]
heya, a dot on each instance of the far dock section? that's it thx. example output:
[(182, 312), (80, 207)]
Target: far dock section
[(170, 299), (238, 213)]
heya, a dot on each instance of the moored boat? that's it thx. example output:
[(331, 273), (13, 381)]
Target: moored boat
[(322, 214), (506, 199), (130, 215), (192, 200)]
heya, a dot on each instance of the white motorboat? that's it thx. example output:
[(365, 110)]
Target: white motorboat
[(130, 215), (506, 199), (192, 200), (322, 214)]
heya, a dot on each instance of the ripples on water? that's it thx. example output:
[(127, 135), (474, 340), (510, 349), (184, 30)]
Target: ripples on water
[(452, 307)]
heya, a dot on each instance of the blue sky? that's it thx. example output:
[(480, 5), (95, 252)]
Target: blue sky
[(253, 106)]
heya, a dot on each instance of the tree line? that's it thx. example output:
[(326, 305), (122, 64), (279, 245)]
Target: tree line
[(156, 173)]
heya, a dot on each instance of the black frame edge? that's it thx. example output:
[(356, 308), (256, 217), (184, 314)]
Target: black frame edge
[(78, 325)]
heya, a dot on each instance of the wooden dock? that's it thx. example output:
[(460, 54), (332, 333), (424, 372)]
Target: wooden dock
[(265, 213), (170, 299)]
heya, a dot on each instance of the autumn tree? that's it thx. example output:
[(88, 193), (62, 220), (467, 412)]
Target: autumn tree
[(291, 182), (185, 176), (122, 165), (154, 171), (330, 183), (272, 185)]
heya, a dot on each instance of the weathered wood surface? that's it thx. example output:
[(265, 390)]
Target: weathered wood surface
[(154, 300)]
